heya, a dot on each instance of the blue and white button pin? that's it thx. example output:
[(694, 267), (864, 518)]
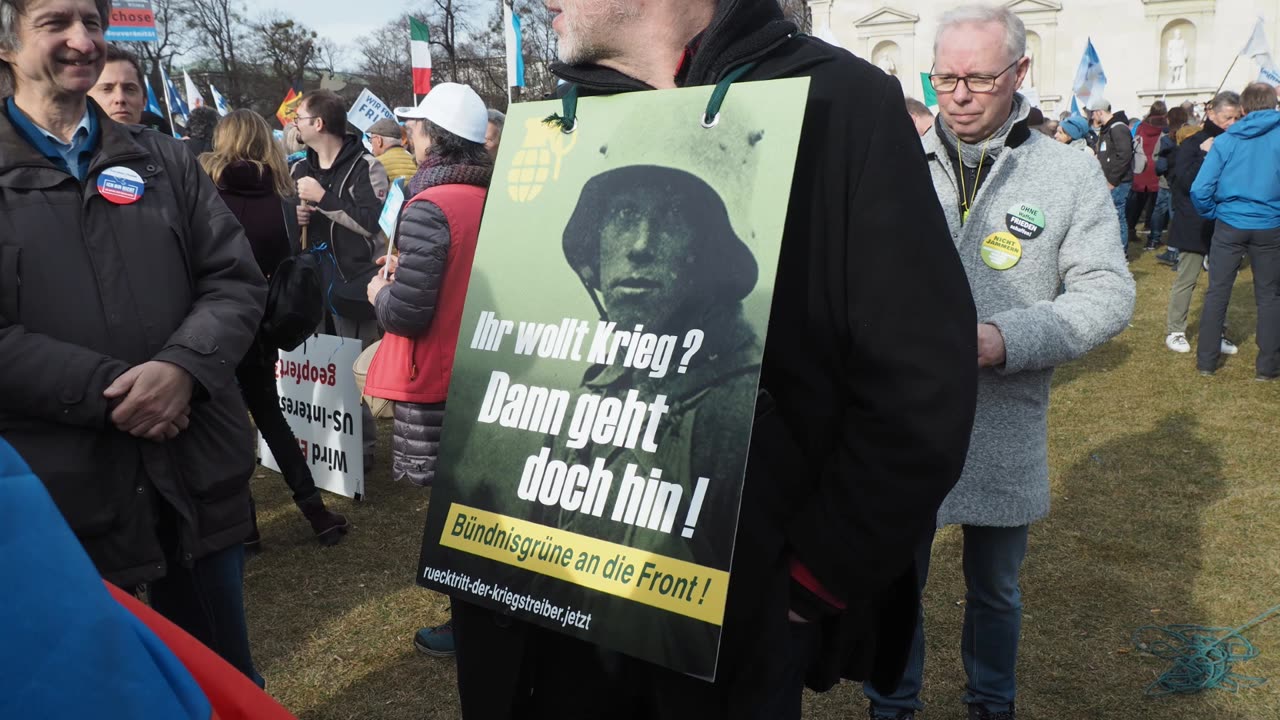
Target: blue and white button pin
[(121, 185)]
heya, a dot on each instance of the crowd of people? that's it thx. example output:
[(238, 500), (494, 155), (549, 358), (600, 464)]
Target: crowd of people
[(907, 390)]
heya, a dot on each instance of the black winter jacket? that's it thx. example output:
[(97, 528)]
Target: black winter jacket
[(89, 289), (1189, 231), (1115, 150), (347, 219), (869, 361)]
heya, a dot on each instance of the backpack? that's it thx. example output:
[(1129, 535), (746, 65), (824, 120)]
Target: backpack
[(1139, 156), (295, 302)]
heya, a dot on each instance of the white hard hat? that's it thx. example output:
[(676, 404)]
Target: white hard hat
[(453, 107)]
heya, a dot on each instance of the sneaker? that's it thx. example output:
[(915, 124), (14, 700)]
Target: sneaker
[(977, 712), (1205, 263), (1177, 342), (1267, 378), (900, 715), (1228, 347), (1151, 245), (435, 641), (1168, 257)]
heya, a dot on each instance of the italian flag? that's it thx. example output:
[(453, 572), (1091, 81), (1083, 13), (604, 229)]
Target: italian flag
[(420, 51)]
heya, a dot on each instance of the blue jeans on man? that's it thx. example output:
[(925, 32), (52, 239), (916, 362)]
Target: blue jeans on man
[(992, 623), (1120, 196)]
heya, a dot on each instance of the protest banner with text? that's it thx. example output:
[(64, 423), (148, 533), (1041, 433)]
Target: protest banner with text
[(600, 412), (320, 400)]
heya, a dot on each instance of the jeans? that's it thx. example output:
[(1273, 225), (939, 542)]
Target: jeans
[(257, 377), (992, 624), (1229, 246), (207, 599), (1161, 216), (1120, 197), (1184, 285)]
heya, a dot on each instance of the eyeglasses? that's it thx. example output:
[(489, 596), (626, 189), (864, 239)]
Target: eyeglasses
[(975, 83), (299, 118)]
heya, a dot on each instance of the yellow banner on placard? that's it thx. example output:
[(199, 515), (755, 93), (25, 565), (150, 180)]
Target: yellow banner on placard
[(668, 584)]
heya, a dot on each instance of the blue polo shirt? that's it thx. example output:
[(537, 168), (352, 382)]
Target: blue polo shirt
[(74, 157)]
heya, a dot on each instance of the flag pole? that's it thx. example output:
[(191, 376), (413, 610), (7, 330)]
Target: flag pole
[(1224, 77), (168, 102)]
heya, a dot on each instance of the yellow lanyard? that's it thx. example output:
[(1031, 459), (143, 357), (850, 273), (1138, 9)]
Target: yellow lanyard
[(966, 198)]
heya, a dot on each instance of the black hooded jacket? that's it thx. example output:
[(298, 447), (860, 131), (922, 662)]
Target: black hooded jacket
[(347, 219), (1115, 150), (869, 364), (1189, 231)]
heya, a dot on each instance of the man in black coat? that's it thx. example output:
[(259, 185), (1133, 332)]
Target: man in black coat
[(870, 381), (128, 295), (1189, 232)]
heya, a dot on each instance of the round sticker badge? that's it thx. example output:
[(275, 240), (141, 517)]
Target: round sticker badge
[(1024, 221), (121, 185), (1001, 251)]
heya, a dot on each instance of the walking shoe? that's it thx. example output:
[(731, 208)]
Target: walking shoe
[(900, 715), (329, 527), (435, 641), (1177, 342), (1266, 378), (1168, 257), (1228, 347), (977, 712), (1151, 245)]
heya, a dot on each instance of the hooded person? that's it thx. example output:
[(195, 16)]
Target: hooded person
[(1239, 187)]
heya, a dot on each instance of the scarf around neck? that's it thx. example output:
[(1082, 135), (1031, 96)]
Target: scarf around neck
[(972, 154), (435, 172)]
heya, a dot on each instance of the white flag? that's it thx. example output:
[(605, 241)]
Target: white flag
[(1257, 44), (219, 102), (194, 98), (1258, 50), (515, 47)]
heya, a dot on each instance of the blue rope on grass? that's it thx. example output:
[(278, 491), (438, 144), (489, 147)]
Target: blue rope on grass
[(1203, 657)]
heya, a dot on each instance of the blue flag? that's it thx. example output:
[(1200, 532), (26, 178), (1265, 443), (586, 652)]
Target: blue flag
[(153, 105), (515, 47), (177, 106), (1090, 80)]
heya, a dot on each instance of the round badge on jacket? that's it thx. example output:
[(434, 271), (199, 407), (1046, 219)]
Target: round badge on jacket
[(1001, 251), (1024, 221), (121, 185)]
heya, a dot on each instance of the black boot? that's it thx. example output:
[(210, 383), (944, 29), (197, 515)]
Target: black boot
[(329, 527), (253, 543)]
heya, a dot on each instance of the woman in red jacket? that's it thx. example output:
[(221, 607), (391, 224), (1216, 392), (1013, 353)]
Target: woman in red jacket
[(250, 171), (420, 303)]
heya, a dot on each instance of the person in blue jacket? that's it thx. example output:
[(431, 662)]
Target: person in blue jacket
[(1239, 186)]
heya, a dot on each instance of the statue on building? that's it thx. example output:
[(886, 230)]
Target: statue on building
[(1176, 57), (887, 64), (1032, 70)]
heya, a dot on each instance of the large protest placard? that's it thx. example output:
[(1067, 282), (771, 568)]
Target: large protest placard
[(321, 402), (603, 392), (132, 21)]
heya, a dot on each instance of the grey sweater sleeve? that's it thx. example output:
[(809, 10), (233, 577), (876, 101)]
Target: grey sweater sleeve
[(407, 306), (1099, 290)]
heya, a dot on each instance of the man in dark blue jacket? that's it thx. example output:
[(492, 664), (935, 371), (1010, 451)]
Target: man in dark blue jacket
[(1239, 187)]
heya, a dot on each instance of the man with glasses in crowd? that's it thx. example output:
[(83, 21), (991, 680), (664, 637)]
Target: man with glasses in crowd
[(342, 188), (1036, 232)]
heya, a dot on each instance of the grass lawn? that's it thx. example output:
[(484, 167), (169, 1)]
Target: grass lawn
[(1166, 510)]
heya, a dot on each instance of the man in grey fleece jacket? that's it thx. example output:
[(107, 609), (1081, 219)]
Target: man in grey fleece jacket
[(1036, 231)]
